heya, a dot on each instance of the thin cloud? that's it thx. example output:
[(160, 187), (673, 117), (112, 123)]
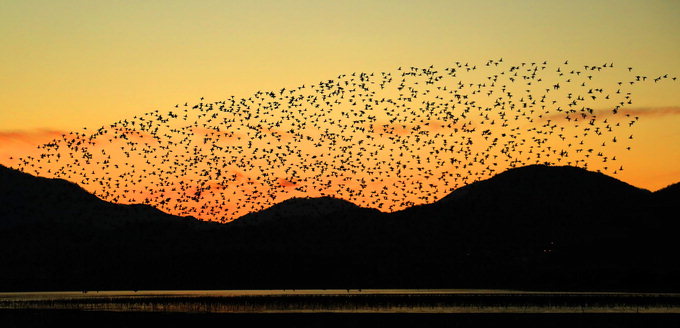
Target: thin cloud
[(620, 113), (19, 143), (645, 111), (212, 133), (286, 183), (410, 128), (36, 136)]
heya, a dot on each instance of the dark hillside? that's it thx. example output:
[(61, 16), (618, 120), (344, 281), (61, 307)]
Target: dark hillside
[(534, 227)]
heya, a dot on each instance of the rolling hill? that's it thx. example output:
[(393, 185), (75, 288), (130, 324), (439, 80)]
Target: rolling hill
[(534, 227)]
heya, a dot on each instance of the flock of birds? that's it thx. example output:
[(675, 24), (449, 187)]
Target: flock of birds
[(385, 140)]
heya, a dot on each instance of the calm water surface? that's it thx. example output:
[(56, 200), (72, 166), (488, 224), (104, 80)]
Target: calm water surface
[(345, 301)]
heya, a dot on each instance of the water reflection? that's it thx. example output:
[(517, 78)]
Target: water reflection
[(346, 301)]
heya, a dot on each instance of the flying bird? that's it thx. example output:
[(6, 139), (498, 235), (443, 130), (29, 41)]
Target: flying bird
[(386, 140)]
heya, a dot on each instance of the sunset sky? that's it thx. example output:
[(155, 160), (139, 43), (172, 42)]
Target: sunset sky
[(70, 65)]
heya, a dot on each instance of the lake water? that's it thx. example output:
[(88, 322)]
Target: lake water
[(345, 301)]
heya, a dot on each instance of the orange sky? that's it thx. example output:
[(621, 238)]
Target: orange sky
[(77, 64)]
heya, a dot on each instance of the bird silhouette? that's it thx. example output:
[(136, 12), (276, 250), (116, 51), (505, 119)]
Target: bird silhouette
[(386, 140)]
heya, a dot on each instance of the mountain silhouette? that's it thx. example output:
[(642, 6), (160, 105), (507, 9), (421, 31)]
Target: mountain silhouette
[(312, 210), (534, 227), (540, 205), (34, 200), (669, 195), (538, 183)]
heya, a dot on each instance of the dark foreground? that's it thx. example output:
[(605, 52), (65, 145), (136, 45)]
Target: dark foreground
[(67, 318), (536, 227), (346, 301), (340, 308)]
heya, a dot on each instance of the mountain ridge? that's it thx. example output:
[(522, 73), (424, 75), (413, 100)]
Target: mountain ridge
[(318, 205), (510, 232), (62, 196), (540, 172)]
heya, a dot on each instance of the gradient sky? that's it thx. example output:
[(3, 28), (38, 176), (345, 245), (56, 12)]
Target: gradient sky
[(65, 65)]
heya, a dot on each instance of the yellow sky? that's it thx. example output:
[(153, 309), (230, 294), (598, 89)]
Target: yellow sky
[(65, 65)]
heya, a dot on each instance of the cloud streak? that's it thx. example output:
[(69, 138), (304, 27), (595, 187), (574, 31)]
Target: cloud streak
[(19, 143), (29, 136), (645, 111), (639, 112)]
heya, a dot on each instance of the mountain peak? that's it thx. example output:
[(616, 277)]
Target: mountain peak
[(27, 199), (302, 207), (543, 181), (530, 227)]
